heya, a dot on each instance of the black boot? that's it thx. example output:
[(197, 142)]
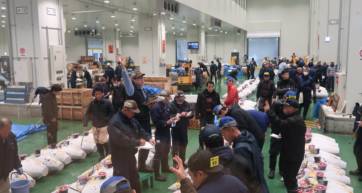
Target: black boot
[(356, 172), (156, 169), (100, 150), (271, 174)]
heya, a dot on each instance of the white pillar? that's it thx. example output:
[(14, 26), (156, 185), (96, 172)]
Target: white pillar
[(202, 48), (152, 45), (36, 29)]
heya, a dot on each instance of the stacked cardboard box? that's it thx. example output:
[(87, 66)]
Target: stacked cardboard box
[(73, 103)]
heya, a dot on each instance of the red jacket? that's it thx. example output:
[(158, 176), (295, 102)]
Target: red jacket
[(232, 97)]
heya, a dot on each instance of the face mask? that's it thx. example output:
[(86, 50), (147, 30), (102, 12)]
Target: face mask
[(305, 73)]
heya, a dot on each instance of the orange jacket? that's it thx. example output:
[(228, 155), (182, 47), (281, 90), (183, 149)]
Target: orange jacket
[(232, 97)]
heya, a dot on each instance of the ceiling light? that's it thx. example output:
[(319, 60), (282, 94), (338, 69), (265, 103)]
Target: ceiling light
[(76, 29), (221, 31), (154, 14), (133, 20), (182, 29), (174, 33), (194, 24), (173, 27), (74, 18), (3, 21), (97, 21), (226, 32), (3, 8), (106, 1), (163, 13), (135, 9), (3, 16), (210, 28), (85, 25), (327, 39), (131, 31), (113, 16), (184, 21), (132, 27), (171, 18), (103, 27), (69, 31), (118, 29), (116, 24), (3, 26)]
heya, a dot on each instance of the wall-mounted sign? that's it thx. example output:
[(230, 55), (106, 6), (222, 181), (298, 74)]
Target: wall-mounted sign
[(22, 51), (51, 11), (21, 10)]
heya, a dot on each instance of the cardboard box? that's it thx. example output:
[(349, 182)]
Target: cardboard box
[(75, 97), (73, 113)]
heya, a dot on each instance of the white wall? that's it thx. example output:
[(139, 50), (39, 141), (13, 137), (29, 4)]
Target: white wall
[(225, 10), (4, 41), (129, 47), (75, 47), (290, 18)]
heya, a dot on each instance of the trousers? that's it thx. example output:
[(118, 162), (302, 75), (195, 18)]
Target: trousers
[(305, 105), (274, 151), (289, 172), (357, 150), (52, 132), (161, 156), (179, 149)]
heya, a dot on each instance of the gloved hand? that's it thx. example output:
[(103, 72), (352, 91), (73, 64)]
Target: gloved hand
[(20, 170)]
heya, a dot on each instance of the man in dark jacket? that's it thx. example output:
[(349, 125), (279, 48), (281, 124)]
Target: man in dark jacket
[(244, 119), (118, 71), (73, 78), (285, 84), (49, 110), (100, 111), (118, 94), (244, 145), (265, 91), (161, 117), (266, 68), (134, 90), (213, 71), (251, 69), (88, 78), (9, 158), (292, 128), (307, 87), (206, 173), (219, 68), (212, 140), (182, 112), (109, 74), (206, 101), (125, 135), (357, 147)]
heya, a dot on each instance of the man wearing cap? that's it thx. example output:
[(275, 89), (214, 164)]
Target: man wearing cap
[(306, 87), (265, 91), (244, 121), (118, 94), (206, 173), (244, 145), (125, 135), (267, 68), (161, 117), (109, 74), (116, 184), (206, 101), (134, 91), (232, 94), (9, 158), (285, 84), (292, 128), (100, 111), (49, 110), (181, 112), (212, 140)]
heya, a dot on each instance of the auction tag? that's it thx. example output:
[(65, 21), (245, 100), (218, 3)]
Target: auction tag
[(214, 161)]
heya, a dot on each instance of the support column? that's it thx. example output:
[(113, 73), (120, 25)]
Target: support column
[(37, 41), (111, 44), (152, 45), (202, 48)]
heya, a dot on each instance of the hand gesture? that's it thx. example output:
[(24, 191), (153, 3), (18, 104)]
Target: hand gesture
[(179, 169), (152, 141)]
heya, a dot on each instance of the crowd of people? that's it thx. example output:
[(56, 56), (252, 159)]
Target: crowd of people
[(231, 139)]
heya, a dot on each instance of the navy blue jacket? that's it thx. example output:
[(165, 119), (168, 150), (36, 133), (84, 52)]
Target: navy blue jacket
[(261, 118), (222, 183), (160, 114), (306, 86), (179, 131), (73, 79), (270, 70), (109, 73)]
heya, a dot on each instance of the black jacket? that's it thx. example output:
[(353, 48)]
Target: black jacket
[(213, 68), (124, 135), (118, 72), (266, 89), (270, 70), (88, 78), (100, 112), (179, 131), (9, 158), (119, 95), (49, 107), (246, 122), (140, 97), (221, 183), (206, 102), (284, 86), (160, 114), (109, 73), (73, 79), (292, 128)]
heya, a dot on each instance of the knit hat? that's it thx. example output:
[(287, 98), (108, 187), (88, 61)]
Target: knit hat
[(227, 121)]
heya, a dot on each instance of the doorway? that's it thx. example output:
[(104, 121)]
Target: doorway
[(261, 47)]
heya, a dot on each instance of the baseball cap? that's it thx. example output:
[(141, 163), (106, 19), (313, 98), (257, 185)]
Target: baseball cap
[(152, 99), (266, 74), (138, 75), (165, 93), (217, 109), (227, 121), (205, 161), (291, 99), (211, 136), (131, 105), (229, 78), (116, 184), (180, 93)]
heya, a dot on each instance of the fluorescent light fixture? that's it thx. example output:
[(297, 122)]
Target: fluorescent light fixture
[(133, 20), (3, 21), (3, 8), (163, 13), (85, 26), (154, 14), (3, 26), (103, 27), (106, 1), (3, 16), (69, 31), (116, 24), (226, 32), (97, 21), (184, 21), (135, 9), (221, 31), (74, 18), (171, 18), (173, 27), (132, 27), (194, 24), (327, 39), (210, 28), (113, 16), (131, 31), (76, 29)]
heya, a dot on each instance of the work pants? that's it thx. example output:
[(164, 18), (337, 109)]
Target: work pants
[(274, 151), (127, 168), (179, 149), (160, 161), (330, 84), (213, 76), (143, 153), (305, 105), (357, 150), (101, 139), (289, 172), (52, 132)]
